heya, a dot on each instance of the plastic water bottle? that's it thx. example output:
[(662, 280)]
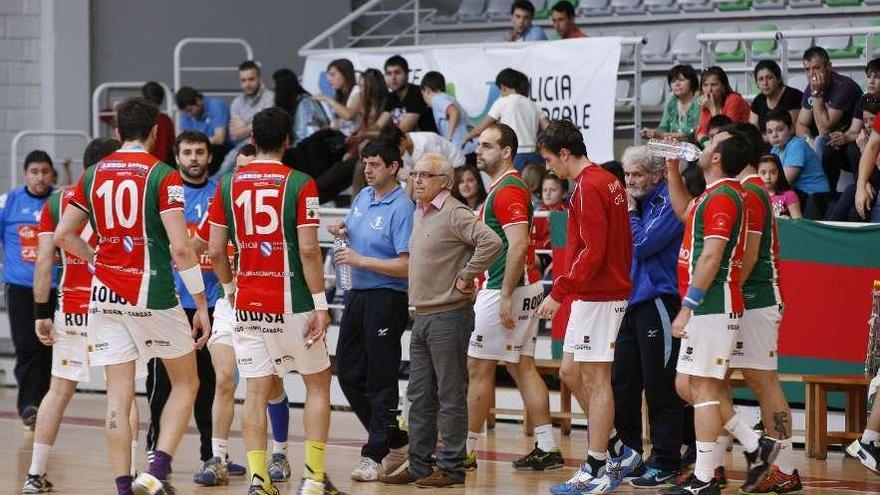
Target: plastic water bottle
[(676, 150), (343, 279)]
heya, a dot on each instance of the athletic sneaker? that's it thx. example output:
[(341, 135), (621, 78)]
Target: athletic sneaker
[(778, 482), (29, 417), (36, 483), (539, 460), (279, 468), (866, 453), (235, 469), (312, 487), (147, 484), (693, 486), (584, 481), (396, 461), (260, 490), (367, 470), (212, 472), (470, 462), (721, 476), (759, 462), (654, 478), (618, 468)]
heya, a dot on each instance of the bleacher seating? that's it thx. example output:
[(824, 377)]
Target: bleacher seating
[(796, 46), (627, 6), (594, 7), (729, 51), (696, 5), (800, 4), (661, 6), (656, 45), (685, 47), (471, 11), (653, 91), (542, 7), (498, 10), (768, 4)]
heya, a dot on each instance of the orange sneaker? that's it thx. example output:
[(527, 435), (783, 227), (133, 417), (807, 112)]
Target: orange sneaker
[(778, 482)]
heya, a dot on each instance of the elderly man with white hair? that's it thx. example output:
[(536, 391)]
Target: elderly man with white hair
[(449, 248), (646, 353)]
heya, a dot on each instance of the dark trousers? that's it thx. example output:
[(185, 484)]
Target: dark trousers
[(159, 388), (645, 357), (367, 363), (33, 360)]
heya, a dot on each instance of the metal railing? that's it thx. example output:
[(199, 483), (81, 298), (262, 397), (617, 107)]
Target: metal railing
[(104, 88), (369, 9), (14, 164)]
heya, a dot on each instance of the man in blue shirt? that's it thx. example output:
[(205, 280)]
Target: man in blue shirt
[(19, 218), (368, 351), (208, 115), (521, 14), (646, 354)]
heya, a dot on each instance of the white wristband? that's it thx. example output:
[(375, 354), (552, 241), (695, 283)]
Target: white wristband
[(192, 279), (229, 289), (320, 300)]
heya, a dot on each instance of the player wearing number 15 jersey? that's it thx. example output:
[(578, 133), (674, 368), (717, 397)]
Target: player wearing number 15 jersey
[(270, 212), (134, 203)]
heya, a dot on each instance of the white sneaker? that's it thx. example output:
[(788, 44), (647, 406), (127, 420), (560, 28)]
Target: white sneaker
[(396, 461), (367, 470)]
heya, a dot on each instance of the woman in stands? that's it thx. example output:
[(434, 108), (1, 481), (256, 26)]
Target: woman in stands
[(774, 94), (307, 115), (719, 98), (681, 114), (346, 101), (469, 187)]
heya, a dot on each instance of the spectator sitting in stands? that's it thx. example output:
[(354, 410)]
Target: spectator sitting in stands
[(208, 115), (845, 209), (827, 111), (800, 164), (773, 94), (449, 116), (469, 187), (681, 114), (719, 98), (414, 145), (562, 17), (553, 191), (405, 103), (515, 109), (533, 175), (521, 14), (859, 124), (307, 115), (254, 97), (866, 201), (163, 146), (346, 101), (786, 203)]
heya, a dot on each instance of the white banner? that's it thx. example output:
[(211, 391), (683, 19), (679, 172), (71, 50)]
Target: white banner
[(571, 79)]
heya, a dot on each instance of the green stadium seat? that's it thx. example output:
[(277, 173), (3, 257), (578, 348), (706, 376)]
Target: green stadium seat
[(859, 40), (843, 3), (765, 48), (840, 46), (729, 51), (732, 5)]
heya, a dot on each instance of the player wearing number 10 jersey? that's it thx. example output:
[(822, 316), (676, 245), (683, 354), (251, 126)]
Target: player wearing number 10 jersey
[(270, 212), (135, 205)]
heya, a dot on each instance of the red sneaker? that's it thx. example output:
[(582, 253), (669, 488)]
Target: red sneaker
[(778, 482)]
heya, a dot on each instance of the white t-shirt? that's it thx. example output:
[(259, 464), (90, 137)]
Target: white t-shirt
[(431, 142), (521, 114), (349, 126)]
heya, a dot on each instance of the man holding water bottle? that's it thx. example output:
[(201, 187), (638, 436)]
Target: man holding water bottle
[(377, 229)]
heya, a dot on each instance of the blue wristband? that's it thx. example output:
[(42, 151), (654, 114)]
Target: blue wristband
[(693, 298)]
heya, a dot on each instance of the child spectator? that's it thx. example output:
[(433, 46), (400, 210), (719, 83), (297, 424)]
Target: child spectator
[(469, 187), (785, 202), (450, 118), (533, 175), (553, 191)]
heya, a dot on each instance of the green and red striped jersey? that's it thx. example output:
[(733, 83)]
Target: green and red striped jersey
[(75, 282)]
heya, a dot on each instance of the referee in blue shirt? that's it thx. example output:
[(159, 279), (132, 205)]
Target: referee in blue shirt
[(378, 229)]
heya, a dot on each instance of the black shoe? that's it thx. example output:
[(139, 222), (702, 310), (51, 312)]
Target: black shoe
[(689, 458), (539, 460), (721, 476), (759, 462), (694, 486), (867, 453), (29, 417)]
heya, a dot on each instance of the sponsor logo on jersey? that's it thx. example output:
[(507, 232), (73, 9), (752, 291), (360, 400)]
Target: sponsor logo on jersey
[(266, 249), (127, 244), (175, 194), (312, 205)]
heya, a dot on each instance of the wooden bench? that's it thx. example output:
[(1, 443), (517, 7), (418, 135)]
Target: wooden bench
[(855, 390)]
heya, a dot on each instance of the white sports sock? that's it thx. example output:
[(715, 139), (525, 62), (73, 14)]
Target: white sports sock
[(544, 437), (705, 468), (785, 459), (39, 459), (134, 449), (743, 432), (279, 447), (220, 448), (720, 450), (472, 440), (869, 436)]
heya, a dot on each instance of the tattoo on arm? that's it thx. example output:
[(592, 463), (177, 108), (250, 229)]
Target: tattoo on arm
[(782, 424)]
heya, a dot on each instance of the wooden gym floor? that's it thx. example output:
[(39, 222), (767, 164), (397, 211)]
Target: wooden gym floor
[(79, 464)]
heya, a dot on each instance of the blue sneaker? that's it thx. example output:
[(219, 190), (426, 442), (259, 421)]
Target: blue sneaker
[(235, 469), (584, 482), (621, 466), (654, 478)]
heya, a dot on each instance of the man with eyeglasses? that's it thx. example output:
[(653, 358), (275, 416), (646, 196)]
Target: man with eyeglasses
[(449, 248)]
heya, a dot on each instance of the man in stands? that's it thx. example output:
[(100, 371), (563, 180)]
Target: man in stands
[(270, 212), (67, 337), (135, 203), (827, 109), (408, 109), (506, 327), (163, 148), (598, 283), (521, 14), (19, 219), (562, 17), (208, 115), (645, 352), (866, 201), (255, 96)]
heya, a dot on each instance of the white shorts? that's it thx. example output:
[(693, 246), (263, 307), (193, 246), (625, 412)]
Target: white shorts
[(705, 350), (755, 346), (491, 340), (224, 323), (592, 330), (120, 332), (274, 344), (70, 352)]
